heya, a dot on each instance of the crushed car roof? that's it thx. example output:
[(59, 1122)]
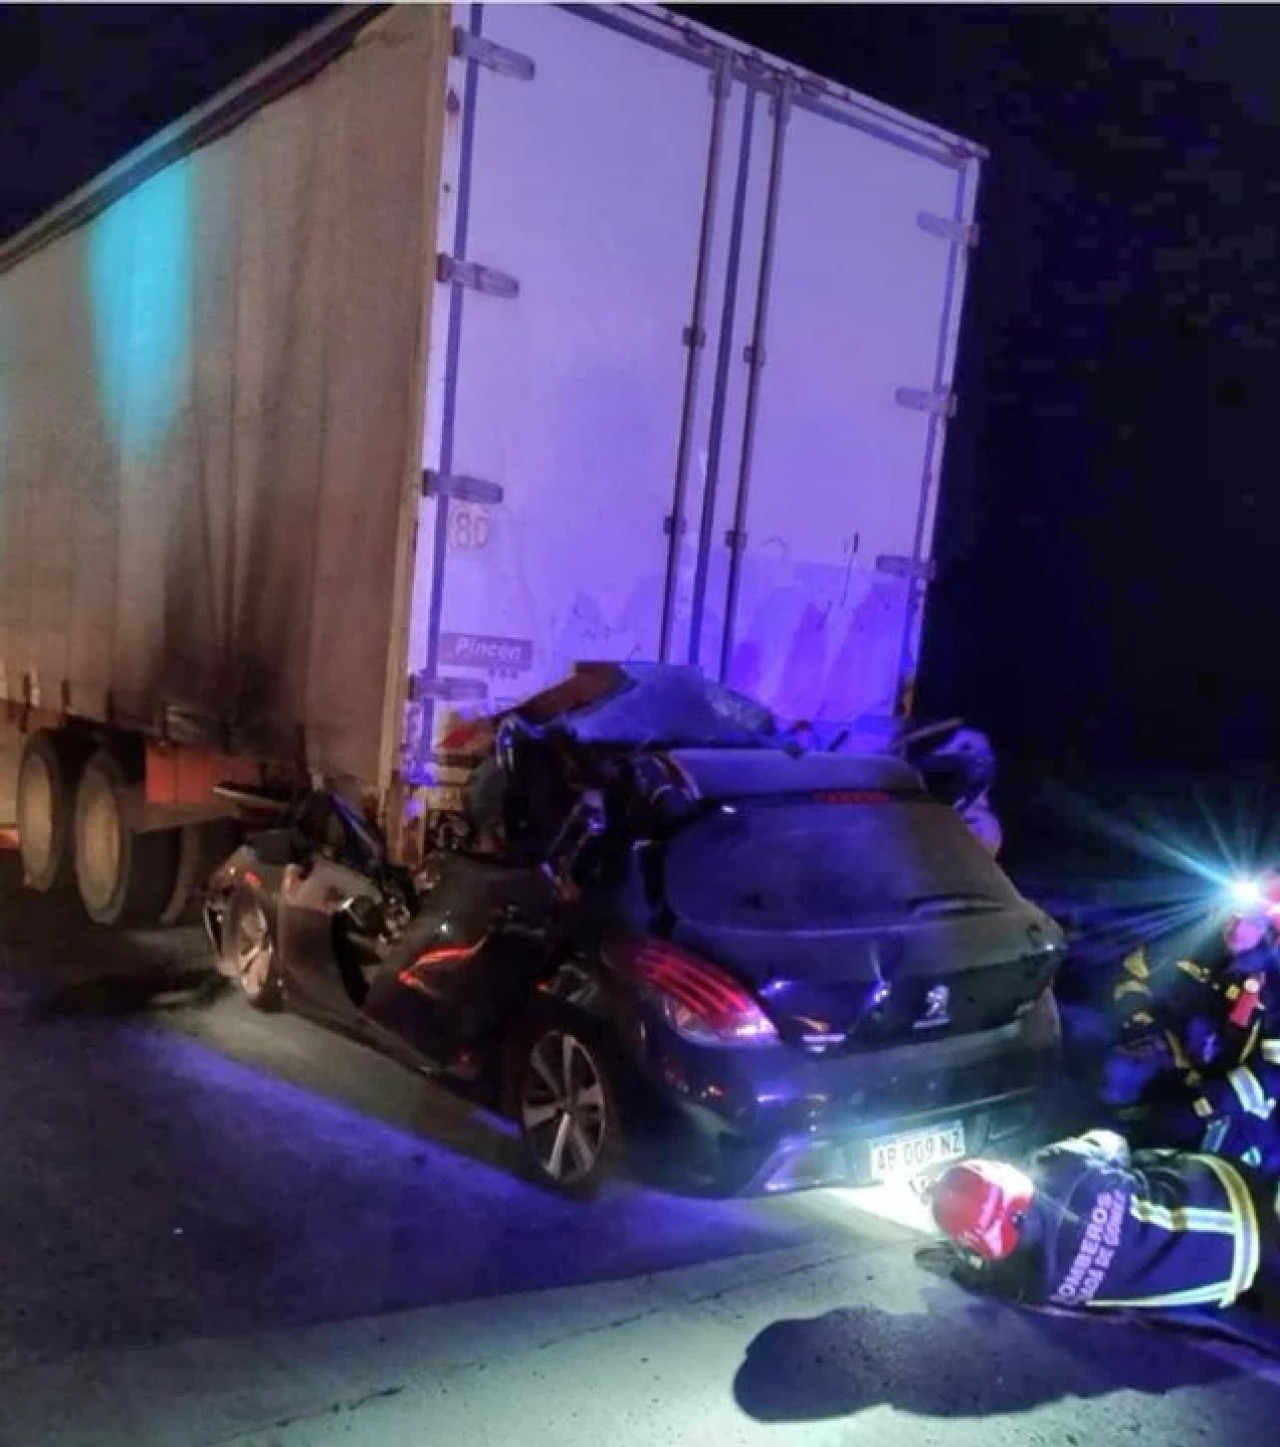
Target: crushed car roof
[(651, 705)]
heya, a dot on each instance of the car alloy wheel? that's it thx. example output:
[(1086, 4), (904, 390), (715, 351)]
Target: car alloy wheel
[(565, 1110), (254, 951), (248, 950)]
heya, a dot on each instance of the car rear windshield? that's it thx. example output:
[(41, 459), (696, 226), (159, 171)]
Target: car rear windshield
[(807, 864)]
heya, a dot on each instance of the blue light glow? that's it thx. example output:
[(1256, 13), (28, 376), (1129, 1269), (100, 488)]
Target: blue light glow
[(1174, 862), (140, 279), (1245, 893)]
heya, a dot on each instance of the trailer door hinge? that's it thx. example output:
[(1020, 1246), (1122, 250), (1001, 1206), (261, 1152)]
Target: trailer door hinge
[(447, 690), (485, 279), (949, 228), (940, 404), (459, 488), (491, 55), (895, 565)]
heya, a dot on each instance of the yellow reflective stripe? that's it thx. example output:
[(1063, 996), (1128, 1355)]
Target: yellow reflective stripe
[(1197, 972), (1136, 965), (1248, 1252), (1270, 1051), (1184, 1218), (1195, 1296), (1249, 1092), (1254, 1030), (1129, 987)]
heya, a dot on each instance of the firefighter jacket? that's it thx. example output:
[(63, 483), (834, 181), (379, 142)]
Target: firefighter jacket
[(1154, 1229), (1212, 1020)]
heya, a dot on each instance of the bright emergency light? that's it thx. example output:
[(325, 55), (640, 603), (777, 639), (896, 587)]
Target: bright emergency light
[(1246, 893), (1257, 897)]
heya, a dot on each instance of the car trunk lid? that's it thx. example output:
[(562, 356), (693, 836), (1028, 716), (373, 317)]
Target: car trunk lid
[(862, 923)]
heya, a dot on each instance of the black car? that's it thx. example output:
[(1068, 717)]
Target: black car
[(765, 969)]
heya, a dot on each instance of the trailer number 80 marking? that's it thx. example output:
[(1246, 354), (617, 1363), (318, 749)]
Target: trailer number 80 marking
[(470, 528)]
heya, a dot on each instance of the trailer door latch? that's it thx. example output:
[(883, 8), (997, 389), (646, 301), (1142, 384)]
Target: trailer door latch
[(937, 404), (458, 488), (949, 228), (491, 55), (895, 565), (484, 279)]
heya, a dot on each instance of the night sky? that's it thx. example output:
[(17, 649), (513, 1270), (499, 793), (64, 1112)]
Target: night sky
[(1112, 513)]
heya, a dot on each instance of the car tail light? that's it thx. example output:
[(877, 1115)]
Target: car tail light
[(698, 999)]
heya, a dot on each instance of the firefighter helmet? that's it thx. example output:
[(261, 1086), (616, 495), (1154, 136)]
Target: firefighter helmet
[(982, 1206)]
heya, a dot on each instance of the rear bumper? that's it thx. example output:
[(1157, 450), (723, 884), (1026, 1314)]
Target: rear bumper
[(1003, 1126), (775, 1119)]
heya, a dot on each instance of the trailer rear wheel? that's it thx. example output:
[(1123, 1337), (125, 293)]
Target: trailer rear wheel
[(201, 848), (48, 775), (123, 877)]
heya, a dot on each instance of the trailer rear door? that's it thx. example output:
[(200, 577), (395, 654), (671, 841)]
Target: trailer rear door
[(579, 184), (694, 328), (848, 303)]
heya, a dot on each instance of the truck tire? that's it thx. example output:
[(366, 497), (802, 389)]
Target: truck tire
[(48, 777), (124, 878), (201, 848)]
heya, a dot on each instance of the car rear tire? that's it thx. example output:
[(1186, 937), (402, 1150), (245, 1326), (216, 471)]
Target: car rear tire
[(247, 950), (48, 776), (124, 877), (562, 1096)]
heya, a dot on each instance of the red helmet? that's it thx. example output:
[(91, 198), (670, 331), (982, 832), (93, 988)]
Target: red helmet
[(982, 1205)]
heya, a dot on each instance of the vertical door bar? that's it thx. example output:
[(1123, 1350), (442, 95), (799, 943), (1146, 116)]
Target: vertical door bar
[(755, 363), (724, 358), (695, 337), (449, 401), (944, 364)]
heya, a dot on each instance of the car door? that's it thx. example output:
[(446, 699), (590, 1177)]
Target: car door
[(468, 962), (311, 895)]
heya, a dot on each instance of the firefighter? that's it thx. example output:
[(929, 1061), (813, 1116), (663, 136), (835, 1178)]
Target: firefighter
[(1203, 1039), (1091, 1225)]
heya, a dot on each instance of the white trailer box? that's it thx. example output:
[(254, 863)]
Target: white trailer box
[(688, 388), (447, 351)]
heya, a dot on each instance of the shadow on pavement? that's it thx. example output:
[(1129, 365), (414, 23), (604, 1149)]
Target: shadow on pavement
[(986, 1360), (138, 991), (178, 1165)]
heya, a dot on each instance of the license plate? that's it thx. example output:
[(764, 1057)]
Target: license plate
[(899, 1157)]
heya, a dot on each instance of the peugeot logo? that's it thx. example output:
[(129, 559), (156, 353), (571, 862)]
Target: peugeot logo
[(937, 1009)]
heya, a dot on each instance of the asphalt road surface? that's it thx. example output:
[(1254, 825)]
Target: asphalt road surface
[(222, 1228)]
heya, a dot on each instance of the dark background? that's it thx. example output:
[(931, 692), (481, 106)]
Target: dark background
[(1112, 498)]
